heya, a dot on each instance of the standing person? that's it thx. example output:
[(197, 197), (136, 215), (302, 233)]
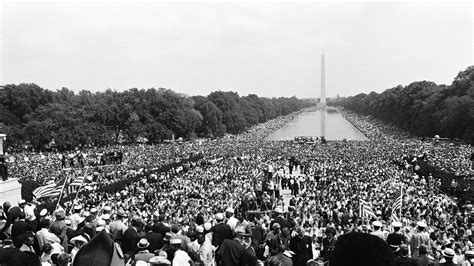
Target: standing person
[(424, 259), (206, 251), (221, 231), (282, 258), (378, 230), (420, 238), (118, 227), (403, 258), (302, 246), (329, 243), (448, 254), (44, 236), (233, 252), (59, 228), (130, 236), (76, 218), (180, 257), (19, 227), (396, 238), (143, 253), (273, 239)]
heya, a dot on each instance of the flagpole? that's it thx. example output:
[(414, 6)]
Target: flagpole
[(79, 190), (401, 200), (62, 189)]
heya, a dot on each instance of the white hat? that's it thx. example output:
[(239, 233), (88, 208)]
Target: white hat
[(77, 207), (199, 229), (22, 201), (377, 224), (396, 224), (175, 241), (141, 263), (107, 208), (143, 243), (78, 238), (43, 212), (101, 223), (421, 224), (448, 252), (219, 216), (230, 210), (106, 217), (93, 210), (279, 210), (207, 226), (158, 260)]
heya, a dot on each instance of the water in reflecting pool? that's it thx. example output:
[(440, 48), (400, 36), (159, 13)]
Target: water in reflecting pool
[(331, 125)]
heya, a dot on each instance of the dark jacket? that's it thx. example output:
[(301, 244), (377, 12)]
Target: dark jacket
[(155, 240), (221, 232), (130, 240), (234, 254), (303, 249)]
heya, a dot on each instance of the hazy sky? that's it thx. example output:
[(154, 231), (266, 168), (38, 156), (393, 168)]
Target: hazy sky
[(271, 49)]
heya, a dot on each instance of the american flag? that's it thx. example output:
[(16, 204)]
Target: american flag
[(366, 209), (77, 181), (51, 190), (397, 204)]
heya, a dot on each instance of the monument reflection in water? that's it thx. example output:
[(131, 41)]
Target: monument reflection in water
[(331, 125)]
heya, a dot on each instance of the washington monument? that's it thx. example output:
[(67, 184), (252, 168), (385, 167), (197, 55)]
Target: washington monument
[(323, 82)]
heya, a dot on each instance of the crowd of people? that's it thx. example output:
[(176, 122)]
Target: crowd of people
[(252, 201)]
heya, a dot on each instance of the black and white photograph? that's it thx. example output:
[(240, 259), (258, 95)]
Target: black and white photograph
[(236, 133)]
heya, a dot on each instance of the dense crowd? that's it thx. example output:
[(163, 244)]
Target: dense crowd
[(232, 207)]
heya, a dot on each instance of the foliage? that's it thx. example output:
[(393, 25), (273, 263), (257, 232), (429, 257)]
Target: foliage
[(423, 108), (35, 116)]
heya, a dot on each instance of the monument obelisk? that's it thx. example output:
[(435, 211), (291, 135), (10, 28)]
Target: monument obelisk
[(323, 82)]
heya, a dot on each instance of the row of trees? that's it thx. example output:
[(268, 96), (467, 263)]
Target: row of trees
[(35, 115), (423, 108)]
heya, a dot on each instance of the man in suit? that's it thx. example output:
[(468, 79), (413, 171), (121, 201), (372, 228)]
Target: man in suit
[(118, 227), (420, 238), (143, 253), (233, 252), (20, 226), (155, 239), (396, 238), (130, 236), (221, 231), (378, 230), (302, 246), (59, 228)]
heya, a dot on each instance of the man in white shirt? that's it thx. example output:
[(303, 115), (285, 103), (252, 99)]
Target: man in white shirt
[(231, 220)]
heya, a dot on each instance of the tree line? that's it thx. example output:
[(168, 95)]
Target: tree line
[(423, 107), (64, 120)]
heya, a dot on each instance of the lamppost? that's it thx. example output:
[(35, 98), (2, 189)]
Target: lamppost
[(3, 163)]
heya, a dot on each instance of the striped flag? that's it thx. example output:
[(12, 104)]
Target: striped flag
[(366, 209), (51, 190), (77, 181), (397, 204), (394, 217)]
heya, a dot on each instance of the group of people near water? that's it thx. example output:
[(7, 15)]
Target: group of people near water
[(247, 202)]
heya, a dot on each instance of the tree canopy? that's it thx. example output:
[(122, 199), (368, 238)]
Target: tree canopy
[(64, 120), (423, 108)]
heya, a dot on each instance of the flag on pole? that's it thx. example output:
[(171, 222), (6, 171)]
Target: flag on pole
[(394, 216), (366, 209), (51, 190), (397, 204), (77, 181)]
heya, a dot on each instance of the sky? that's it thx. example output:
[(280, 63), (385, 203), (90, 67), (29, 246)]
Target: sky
[(271, 49)]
